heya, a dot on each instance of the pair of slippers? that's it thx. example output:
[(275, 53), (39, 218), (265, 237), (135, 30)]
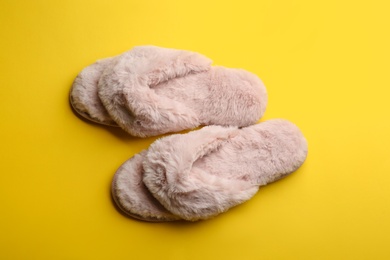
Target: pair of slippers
[(149, 91)]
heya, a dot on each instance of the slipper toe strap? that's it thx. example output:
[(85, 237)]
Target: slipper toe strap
[(127, 90)]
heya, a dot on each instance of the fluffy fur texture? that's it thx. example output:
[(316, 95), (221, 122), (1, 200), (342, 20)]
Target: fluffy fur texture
[(84, 96), (204, 173), (150, 91), (131, 195)]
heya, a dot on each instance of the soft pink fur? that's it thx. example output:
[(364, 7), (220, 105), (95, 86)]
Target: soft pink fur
[(131, 195), (204, 173), (84, 96), (151, 91)]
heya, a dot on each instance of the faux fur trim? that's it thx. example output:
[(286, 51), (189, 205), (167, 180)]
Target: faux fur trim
[(204, 173), (150, 91)]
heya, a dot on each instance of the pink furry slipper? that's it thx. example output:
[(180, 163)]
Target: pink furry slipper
[(84, 97), (150, 91), (204, 173), (131, 195)]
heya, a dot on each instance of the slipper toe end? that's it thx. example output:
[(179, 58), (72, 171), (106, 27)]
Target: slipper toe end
[(84, 97), (133, 198)]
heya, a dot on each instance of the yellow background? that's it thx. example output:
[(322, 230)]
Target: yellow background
[(326, 67)]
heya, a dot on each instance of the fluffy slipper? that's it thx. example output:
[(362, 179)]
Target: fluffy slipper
[(204, 173), (150, 91), (84, 96), (131, 195)]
